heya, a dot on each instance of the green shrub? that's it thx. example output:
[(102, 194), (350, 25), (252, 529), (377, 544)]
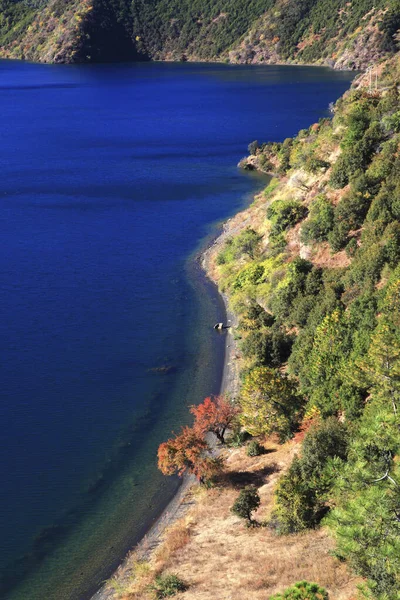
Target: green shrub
[(253, 147), (297, 505), (284, 155), (270, 348), (302, 493), (320, 221), (265, 163), (248, 276), (314, 164), (352, 210), (254, 449), (391, 238), (270, 403), (351, 247), (302, 591), (168, 585), (246, 503), (255, 317), (246, 243), (284, 214), (339, 175), (237, 438), (338, 237)]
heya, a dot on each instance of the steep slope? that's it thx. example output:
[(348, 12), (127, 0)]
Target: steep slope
[(312, 270), (338, 33)]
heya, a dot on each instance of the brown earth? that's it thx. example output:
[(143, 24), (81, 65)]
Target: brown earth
[(219, 557)]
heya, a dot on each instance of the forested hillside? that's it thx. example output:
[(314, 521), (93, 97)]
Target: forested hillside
[(313, 272), (339, 33)]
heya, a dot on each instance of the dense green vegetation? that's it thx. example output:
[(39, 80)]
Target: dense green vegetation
[(332, 320), (204, 28), (277, 30)]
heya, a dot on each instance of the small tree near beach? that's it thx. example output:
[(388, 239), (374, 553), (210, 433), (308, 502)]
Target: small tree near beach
[(214, 415), (246, 503), (303, 590), (188, 452)]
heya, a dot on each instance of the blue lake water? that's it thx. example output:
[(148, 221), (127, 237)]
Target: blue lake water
[(111, 179)]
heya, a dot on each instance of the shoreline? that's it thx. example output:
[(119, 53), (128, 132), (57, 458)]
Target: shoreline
[(181, 501)]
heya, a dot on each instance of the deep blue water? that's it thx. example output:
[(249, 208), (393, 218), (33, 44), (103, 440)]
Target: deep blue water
[(111, 178)]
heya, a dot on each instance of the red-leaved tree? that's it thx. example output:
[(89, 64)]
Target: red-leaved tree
[(214, 415), (190, 452)]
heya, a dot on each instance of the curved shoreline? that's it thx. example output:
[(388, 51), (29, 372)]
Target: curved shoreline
[(180, 502)]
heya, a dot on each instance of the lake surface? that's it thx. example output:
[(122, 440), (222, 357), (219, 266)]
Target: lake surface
[(111, 179)]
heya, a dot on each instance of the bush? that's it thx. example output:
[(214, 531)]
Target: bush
[(247, 242), (326, 440), (351, 248), (237, 439), (250, 275), (297, 506), (255, 318), (284, 214), (339, 176), (302, 493), (319, 222), (270, 348), (314, 164), (302, 591), (246, 503), (352, 210), (269, 402), (253, 147), (338, 237), (254, 449), (168, 585)]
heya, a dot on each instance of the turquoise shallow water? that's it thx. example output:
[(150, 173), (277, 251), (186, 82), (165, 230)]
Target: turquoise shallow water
[(112, 177)]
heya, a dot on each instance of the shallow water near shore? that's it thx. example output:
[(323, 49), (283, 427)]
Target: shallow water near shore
[(112, 178)]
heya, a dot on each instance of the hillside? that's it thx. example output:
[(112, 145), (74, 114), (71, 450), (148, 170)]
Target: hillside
[(336, 33), (312, 271)]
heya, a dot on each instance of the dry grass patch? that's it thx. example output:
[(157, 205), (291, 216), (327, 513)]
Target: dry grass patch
[(175, 538), (223, 559), (219, 557)]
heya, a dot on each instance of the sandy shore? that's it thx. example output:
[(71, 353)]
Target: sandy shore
[(182, 500)]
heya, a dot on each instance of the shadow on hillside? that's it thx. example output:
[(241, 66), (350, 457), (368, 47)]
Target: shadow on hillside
[(239, 479), (268, 451)]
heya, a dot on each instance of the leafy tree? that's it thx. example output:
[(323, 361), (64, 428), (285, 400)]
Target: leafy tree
[(246, 503), (270, 348), (297, 505), (366, 520), (302, 493), (246, 243), (284, 214), (324, 376), (253, 147), (269, 403), (320, 221), (188, 451), (214, 415), (254, 448)]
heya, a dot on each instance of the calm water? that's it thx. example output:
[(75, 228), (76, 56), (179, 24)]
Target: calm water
[(111, 177)]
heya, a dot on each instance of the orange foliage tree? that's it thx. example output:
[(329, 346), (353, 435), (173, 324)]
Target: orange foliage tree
[(190, 452), (214, 416)]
